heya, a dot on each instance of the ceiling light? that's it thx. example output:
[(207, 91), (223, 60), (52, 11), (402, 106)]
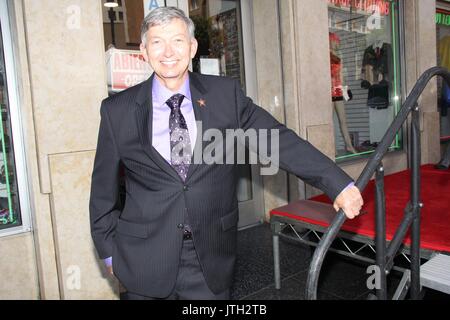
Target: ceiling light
[(111, 4)]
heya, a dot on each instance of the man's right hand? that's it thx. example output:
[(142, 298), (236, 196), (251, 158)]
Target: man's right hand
[(108, 264), (110, 270), (349, 200)]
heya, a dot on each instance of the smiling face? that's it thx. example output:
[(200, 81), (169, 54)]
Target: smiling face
[(169, 50)]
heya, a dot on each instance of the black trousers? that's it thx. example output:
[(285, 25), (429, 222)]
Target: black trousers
[(190, 283)]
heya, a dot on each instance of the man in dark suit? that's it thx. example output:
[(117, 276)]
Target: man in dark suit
[(175, 235)]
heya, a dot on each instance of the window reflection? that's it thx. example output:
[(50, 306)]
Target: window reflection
[(219, 36), (9, 197), (365, 82), (443, 58)]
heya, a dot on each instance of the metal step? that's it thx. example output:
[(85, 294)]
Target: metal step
[(435, 273)]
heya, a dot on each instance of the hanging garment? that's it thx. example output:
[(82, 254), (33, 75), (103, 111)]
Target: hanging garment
[(336, 80), (444, 52), (378, 59)]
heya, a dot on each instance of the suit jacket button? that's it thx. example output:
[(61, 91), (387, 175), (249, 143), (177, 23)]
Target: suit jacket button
[(180, 226), (185, 188)]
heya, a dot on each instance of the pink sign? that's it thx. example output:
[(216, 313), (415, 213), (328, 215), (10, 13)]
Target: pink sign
[(381, 7)]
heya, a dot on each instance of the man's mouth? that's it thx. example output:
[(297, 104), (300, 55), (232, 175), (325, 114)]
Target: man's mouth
[(168, 63)]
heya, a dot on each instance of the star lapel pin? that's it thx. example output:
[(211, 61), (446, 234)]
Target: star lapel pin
[(201, 102)]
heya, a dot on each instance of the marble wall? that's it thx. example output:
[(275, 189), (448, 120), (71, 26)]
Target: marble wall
[(81, 273), (18, 267), (63, 80), (420, 55), (67, 83), (270, 87)]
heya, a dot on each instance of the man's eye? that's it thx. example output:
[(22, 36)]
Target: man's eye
[(156, 42)]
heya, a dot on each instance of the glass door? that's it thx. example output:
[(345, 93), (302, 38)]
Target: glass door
[(223, 31)]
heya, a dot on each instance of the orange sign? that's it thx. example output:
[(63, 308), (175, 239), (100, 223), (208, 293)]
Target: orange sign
[(127, 68)]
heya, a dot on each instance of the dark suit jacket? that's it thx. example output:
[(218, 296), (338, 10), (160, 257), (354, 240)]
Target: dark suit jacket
[(144, 235)]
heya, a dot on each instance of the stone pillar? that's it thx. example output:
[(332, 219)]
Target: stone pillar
[(420, 54), (306, 76), (270, 86), (64, 81)]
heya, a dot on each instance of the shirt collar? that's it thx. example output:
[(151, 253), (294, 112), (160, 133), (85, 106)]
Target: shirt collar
[(161, 94)]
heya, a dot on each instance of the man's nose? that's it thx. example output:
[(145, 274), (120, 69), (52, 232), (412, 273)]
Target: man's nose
[(168, 50)]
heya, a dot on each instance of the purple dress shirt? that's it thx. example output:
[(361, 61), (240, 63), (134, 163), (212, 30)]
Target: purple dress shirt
[(161, 114)]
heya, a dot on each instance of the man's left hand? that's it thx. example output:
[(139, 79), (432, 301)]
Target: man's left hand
[(349, 200)]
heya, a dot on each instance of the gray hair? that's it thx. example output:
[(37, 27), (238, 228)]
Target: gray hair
[(162, 16)]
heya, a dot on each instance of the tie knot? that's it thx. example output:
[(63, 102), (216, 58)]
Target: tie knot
[(175, 101)]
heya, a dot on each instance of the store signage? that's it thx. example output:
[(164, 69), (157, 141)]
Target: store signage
[(442, 17), (150, 5), (381, 7), (127, 69)]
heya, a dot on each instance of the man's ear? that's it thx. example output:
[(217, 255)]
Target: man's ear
[(144, 51), (194, 47)]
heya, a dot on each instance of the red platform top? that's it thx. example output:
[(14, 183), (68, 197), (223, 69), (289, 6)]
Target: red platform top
[(435, 215)]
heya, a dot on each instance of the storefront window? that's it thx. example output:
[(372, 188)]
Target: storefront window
[(220, 45), (443, 58), (364, 56), (220, 53), (10, 215)]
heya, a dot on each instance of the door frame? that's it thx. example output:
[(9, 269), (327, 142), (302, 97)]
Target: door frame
[(250, 212)]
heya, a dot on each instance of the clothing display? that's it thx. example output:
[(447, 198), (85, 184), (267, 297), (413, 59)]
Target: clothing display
[(339, 93), (378, 96), (445, 100), (336, 79), (376, 67), (444, 55), (444, 52)]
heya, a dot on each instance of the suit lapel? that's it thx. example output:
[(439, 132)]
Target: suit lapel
[(144, 121), (199, 103)]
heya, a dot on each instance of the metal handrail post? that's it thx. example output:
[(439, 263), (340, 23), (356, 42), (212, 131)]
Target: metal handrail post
[(380, 240), (415, 203)]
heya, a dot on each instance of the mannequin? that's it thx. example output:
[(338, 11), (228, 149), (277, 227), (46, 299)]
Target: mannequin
[(339, 92)]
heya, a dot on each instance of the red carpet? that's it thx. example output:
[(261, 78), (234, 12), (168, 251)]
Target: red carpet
[(435, 195)]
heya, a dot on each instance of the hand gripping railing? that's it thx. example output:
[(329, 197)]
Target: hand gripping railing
[(412, 212)]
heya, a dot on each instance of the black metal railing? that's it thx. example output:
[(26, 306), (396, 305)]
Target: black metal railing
[(385, 256)]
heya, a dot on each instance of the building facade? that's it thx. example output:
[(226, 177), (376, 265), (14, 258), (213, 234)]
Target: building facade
[(300, 60)]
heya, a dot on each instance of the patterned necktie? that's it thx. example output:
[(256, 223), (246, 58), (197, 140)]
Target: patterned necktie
[(180, 142)]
